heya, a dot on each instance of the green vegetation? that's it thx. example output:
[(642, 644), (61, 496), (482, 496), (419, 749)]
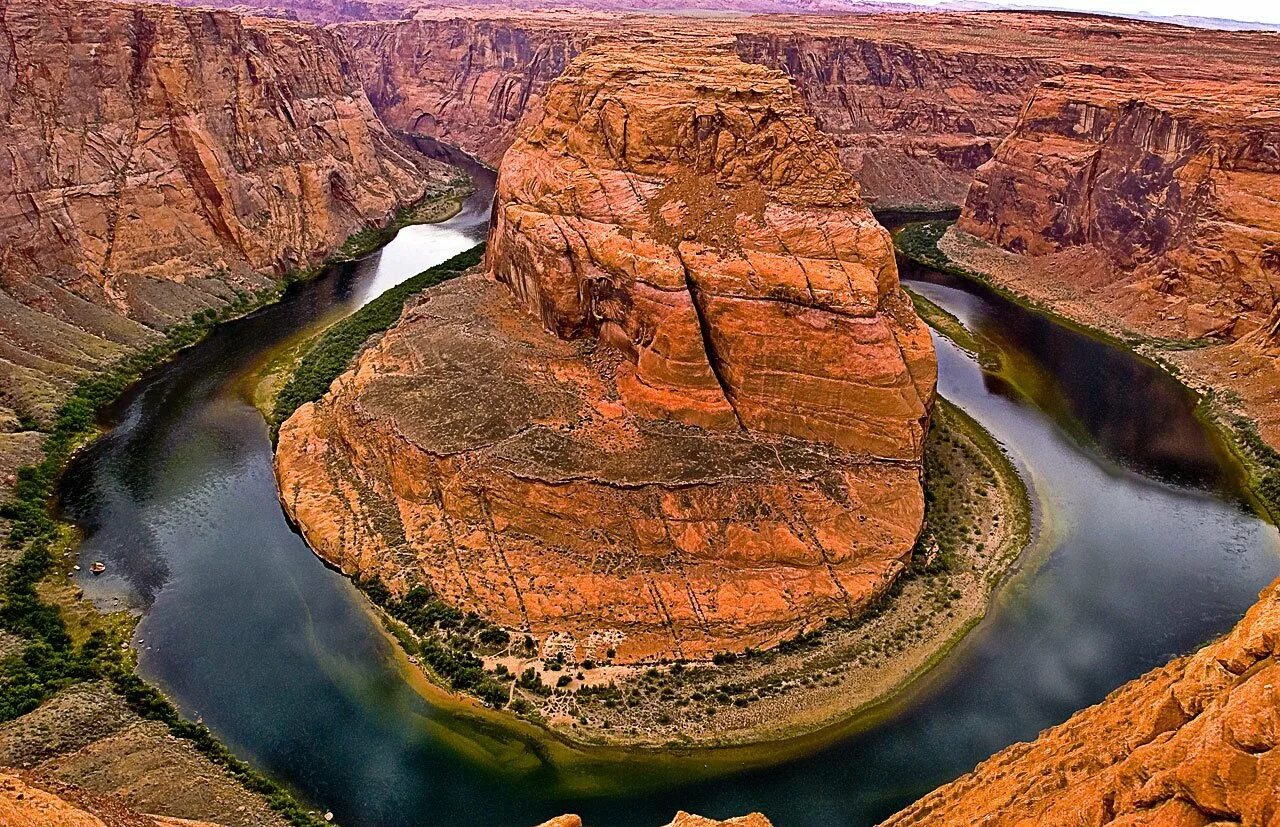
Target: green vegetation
[(446, 639), (333, 352), (49, 658)]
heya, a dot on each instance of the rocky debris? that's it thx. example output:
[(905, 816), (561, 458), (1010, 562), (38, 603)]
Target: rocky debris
[(1191, 743), (1173, 191), (682, 819), (87, 736), (30, 800), (708, 435), (158, 160)]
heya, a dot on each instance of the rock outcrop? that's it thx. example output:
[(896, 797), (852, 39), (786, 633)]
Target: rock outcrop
[(1166, 198), (1191, 743), (692, 420), (157, 160)]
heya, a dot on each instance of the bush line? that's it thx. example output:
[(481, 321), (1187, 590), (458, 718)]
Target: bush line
[(334, 351)]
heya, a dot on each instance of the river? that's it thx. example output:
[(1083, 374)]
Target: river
[(1145, 550)]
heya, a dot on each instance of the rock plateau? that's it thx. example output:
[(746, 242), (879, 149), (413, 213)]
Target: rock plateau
[(684, 414)]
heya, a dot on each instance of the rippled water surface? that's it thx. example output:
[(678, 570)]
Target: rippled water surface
[(1146, 551)]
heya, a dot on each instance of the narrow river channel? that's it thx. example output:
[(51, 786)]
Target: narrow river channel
[(1145, 550)]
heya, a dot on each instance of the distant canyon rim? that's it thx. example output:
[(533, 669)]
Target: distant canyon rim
[(664, 272)]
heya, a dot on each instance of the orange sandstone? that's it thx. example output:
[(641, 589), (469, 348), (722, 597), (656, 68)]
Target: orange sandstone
[(692, 420)]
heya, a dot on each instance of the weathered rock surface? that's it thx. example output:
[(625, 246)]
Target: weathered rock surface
[(1166, 198), (914, 102), (694, 219), (28, 800), (159, 159), (1191, 743), (620, 468)]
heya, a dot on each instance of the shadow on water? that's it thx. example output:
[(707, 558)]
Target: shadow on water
[(1144, 552)]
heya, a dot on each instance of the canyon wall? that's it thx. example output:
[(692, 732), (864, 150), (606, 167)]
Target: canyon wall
[(463, 80), (690, 421), (1191, 743), (915, 102), (912, 122), (1170, 194), (159, 160)]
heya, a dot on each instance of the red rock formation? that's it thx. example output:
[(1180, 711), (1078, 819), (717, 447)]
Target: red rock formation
[(157, 159), (714, 239), (604, 492), (915, 102), (462, 80), (1174, 191), (1191, 743)]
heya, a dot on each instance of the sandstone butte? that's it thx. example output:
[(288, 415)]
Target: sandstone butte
[(914, 102), (158, 159), (685, 411)]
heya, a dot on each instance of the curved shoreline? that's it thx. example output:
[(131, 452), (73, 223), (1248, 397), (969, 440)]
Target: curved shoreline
[(1235, 427), (46, 545)]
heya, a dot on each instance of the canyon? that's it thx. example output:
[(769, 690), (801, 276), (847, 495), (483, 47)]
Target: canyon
[(622, 442), (162, 162), (914, 102), (673, 285)]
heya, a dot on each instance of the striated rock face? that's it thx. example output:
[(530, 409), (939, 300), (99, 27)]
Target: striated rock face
[(912, 123), (693, 421), (696, 221), (1191, 743), (1172, 193), (159, 159), (914, 102), (464, 81)]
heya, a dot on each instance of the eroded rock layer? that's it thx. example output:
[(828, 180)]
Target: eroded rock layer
[(693, 218), (1191, 743), (1171, 192), (914, 102), (159, 159), (691, 422)]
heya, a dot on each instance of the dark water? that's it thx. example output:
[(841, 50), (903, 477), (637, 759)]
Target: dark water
[(1145, 551)]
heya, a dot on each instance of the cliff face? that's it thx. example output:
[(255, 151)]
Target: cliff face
[(1191, 743), (912, 123), (465, 81), (1173, 193), (156, 161), (915, 102), (600, 453)]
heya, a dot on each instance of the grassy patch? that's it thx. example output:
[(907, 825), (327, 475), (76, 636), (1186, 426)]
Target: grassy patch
[(334, 350)]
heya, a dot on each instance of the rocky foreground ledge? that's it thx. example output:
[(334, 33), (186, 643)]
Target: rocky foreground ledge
[(684, 413)]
